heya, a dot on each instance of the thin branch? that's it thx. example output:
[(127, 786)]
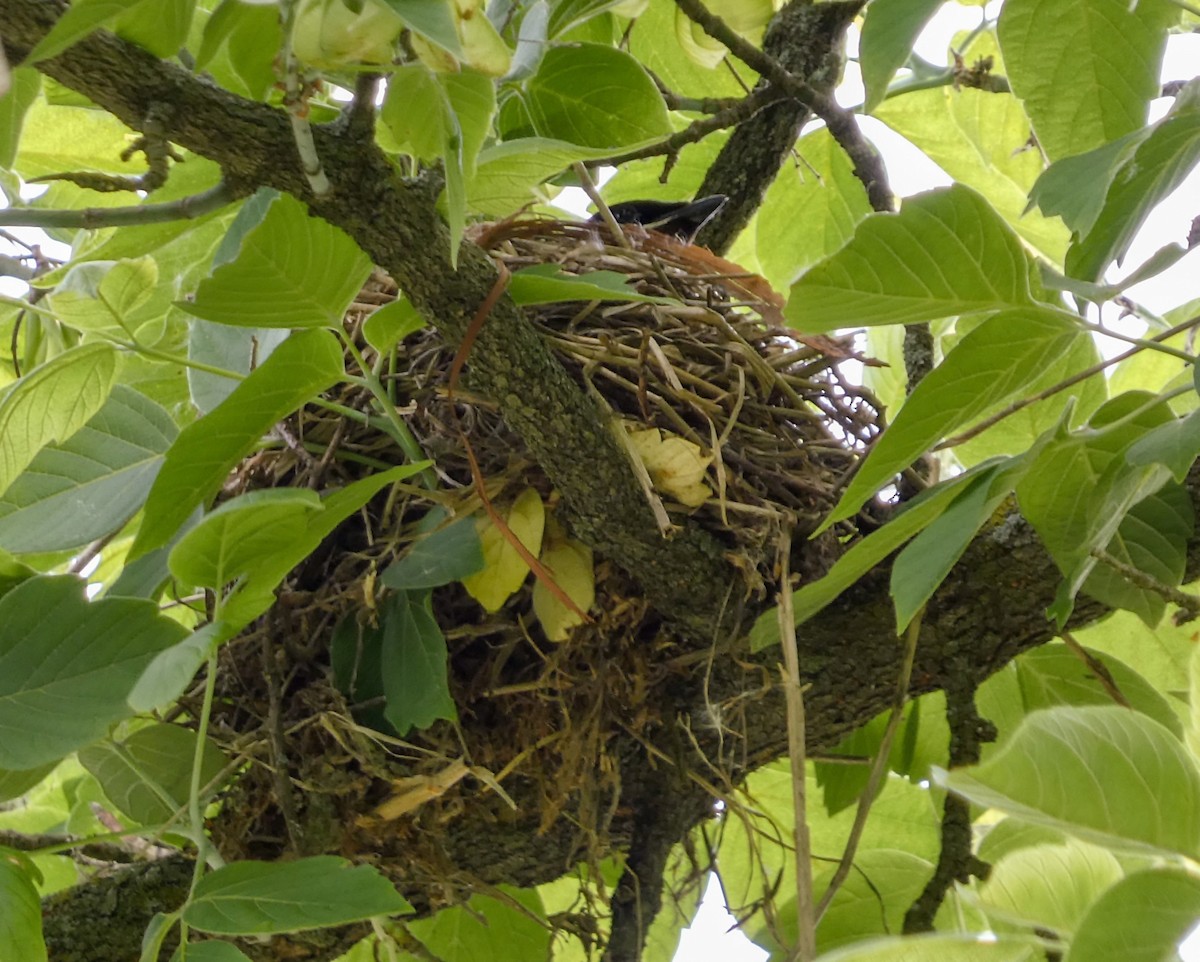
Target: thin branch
[(186, 208), (1097, 668), (878, 770), (15, 267), (956, 861), (738, 111), (1140, 579), (868, 166), (1061, 386), (806, 926)]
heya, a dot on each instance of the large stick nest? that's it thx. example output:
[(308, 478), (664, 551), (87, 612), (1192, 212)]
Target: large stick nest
[(536, 720)]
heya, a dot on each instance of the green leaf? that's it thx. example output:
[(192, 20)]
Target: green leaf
[(51, 403), (1054, 675), (1106, 775), (595, 96), (1160, 165), (172, 670), (550, 284), (1049, 886), (20, 916), (1059, 61), (809, 211), (1153, 537), (980, 139), (446, 555), (25, 84), (888, 32), (991, 365), (212, 950), (200, 459), (241, 534), (388, 326), (1175, 444), (1080, 488), (92, 483), (148, 774), (860, 558), (487, 928), (160, 26), (1142, 918), (66, 665), (1074, 188), (100, 296), (255, 594), (432, 19), (262, 898), (508, 175), (414, 664), (924, 563), (14, 784), (293, 270), (945, 253), (938, 948), (871, 901), (80, 19)]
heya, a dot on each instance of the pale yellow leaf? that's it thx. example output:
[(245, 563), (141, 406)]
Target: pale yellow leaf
[(676, 466), (570, 565), (503, 567)]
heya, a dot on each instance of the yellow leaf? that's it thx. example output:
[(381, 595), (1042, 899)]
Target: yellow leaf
[(570, 564), (503, 567), (676, 466)]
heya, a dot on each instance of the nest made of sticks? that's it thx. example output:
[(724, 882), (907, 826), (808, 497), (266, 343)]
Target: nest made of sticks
[(712, 364)]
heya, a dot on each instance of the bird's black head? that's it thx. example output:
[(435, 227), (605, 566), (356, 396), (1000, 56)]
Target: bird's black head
[(680, 219)]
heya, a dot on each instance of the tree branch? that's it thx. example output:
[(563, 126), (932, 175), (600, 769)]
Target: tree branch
[(185, 208), (397, 224)]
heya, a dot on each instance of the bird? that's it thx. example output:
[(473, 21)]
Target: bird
[(679, 219)]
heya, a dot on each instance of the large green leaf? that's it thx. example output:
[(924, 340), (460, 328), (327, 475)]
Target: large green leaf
[(979, 138), (860, 558), (809, 211), (66, 665), (51, 403), (1104, 774), (77, 22), (99, 296), (261, 898), (1049, 886), (508, 175), (939, 948), (945, 253), (91, 484), (255, 593), (1060, 61), (991, 365), (241, 534), (1161, 163), (888, 32), (25, 83), (446, 554), (487, 928), (205, 451), (20, 916), (293, 270), (414, 661), (147, 774), (1142, 918), (595, 96)]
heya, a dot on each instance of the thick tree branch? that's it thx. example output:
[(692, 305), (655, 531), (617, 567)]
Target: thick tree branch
[(397, 224)]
